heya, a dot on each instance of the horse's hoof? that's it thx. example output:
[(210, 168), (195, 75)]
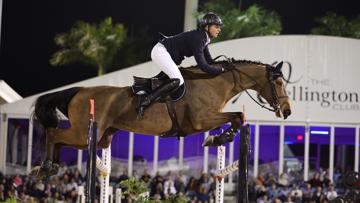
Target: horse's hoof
[(209, 141), (35, 171), (41, 172), (54, 169)]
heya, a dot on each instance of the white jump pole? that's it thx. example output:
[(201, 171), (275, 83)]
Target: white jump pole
[(105, 169), (219, 196), (118, 195), (81, 194)]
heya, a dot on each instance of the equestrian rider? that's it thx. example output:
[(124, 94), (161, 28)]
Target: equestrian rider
[(170, 52)]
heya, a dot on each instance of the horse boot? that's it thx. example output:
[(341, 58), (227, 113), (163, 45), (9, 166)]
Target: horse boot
[(227, 136), (47, 169), (160, 92)]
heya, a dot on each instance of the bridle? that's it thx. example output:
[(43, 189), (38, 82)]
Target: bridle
[(272, 73)]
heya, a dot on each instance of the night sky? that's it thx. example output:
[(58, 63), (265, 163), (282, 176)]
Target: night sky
[(29, 27)]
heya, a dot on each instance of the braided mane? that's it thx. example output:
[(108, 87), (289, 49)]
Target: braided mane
[(196, 72)]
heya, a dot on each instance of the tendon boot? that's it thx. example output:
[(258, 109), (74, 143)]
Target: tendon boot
[(159, 93)]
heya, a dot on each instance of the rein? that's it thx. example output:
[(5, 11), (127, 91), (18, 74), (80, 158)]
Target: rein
[(275, 97)]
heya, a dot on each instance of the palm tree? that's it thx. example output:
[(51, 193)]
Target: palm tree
[(91, 44), (332, 24), (254, 21)]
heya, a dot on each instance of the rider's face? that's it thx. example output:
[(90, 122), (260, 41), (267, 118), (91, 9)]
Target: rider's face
[(213, 30)]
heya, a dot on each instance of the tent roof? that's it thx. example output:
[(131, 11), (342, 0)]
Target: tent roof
[(7, 94)]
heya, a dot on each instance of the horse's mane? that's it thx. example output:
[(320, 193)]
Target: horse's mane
[(194, 72)]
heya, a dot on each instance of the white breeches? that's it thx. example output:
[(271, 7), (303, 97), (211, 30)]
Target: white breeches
[(162, 58)]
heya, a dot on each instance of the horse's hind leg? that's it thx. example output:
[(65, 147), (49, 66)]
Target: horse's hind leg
[(48, 168), (55, 139)]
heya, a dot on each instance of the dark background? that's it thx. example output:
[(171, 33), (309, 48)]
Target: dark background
[(29, 27)]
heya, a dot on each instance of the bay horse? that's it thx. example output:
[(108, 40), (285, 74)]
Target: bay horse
[(199, 110)]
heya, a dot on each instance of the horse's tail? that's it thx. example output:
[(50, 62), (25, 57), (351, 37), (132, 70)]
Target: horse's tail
[(46, 105)]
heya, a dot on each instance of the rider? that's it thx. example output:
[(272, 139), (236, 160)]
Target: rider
[(170, 52)]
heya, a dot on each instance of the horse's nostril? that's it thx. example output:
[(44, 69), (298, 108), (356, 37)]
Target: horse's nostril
[(287, 112)]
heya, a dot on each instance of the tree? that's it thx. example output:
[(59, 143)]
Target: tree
[(136, 49), (254, 21), (91, 44), (332, 24)]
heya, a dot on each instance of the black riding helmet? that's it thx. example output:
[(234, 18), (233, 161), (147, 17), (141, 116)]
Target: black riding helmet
[(210, 19)]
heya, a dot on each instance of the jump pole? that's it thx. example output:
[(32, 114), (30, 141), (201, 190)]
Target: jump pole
[(91, 162)]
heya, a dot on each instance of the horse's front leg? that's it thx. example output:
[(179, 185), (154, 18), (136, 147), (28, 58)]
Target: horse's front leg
[(236, 120)]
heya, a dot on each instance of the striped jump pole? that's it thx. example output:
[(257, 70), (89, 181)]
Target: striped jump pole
[(220, 165)]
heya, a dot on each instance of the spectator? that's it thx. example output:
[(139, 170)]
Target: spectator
[(331, 194), (123, 176), (203, 195), (2, 193), (273, 192), (263, 199), (169, 188), (283, 180), (296, 194), (146, 177), (270, 180), (182, 177), (179, 185), (289, 199), (307, 193), (318, 195), (158, 191), (315, 180), (191, 188)]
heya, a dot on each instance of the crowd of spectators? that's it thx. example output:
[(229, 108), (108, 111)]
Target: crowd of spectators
[(265, 188)]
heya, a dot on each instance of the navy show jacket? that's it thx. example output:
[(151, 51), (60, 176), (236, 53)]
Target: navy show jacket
[(191, 43)]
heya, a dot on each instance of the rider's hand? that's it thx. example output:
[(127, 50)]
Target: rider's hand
[(227, 67)]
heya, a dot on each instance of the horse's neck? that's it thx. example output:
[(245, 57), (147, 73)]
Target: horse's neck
[(249, 76)]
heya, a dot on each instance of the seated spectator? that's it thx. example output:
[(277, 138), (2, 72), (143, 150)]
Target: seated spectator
[(283, 180), (179, 185), (146, 177), (289, 199), (191, 188), (284, 192), (331, 194), (270, 180), (318, 195), (261, 191), (2, 193), (203, 195), (158, 191), (315, 180), (263, 199), (273, 193), (296, 194), (169, 188), (17, 180), (307, 193), (259, 180)]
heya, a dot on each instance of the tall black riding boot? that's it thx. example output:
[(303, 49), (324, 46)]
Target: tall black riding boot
[(161, 91)]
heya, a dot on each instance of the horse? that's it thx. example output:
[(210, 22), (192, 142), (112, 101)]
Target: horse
[(199, 110)]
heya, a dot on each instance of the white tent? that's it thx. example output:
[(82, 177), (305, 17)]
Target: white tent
[(7, 94)]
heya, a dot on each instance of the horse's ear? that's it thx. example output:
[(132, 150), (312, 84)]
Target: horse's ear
[(278, 66)]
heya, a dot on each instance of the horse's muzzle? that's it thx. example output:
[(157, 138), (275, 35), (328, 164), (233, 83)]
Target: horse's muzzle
[(286, 113)]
